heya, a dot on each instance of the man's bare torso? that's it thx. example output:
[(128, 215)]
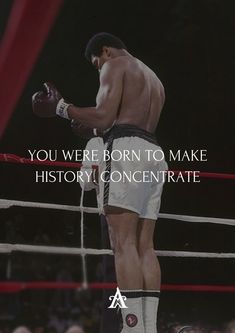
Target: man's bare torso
[(142, 96)]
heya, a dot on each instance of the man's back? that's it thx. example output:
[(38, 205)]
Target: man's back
[(142, 95)]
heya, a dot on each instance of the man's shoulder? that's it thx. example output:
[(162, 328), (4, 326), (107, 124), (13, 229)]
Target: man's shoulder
[(118, 62), (112, 67)]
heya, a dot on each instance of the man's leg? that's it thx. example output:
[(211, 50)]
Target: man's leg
[(123, 236), (151, 274), (110, 321)]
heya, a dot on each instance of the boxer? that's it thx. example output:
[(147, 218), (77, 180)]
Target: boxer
[(128, 107)]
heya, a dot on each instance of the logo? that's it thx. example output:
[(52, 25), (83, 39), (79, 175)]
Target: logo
[(131, 320), (117, 300)]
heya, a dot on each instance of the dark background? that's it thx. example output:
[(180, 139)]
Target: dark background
[(190, 45)]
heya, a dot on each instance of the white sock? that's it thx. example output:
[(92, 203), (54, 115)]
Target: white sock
[(150, 307), (133, 315)]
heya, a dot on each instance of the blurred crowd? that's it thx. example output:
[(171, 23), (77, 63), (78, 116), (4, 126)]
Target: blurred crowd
[(50, 310), (66, 311), (46, 310), (176, 327)]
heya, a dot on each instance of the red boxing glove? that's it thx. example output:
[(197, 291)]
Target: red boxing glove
[(45, 102)]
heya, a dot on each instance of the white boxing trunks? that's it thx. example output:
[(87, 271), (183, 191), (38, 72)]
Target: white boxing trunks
[(131, 175)]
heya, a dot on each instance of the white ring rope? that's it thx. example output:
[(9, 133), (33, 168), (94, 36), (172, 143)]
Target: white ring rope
[(8, 248), (84, 269), (4, 203), (198, 219)]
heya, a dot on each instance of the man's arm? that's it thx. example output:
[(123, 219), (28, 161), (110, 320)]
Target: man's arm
[(108, 99)]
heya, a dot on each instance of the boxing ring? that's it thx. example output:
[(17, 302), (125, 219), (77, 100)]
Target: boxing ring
[(6, 286), (27, 43)]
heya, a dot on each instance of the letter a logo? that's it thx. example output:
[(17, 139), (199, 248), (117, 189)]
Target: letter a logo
[(117, 300)]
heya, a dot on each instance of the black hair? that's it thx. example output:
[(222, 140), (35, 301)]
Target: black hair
[(96, 43)]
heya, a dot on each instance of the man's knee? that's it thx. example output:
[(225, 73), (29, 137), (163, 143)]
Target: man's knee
[(123, 233), (145, 246), (123, 245)]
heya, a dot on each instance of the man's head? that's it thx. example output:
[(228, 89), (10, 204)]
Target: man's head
[(100, 48), (21, 329), (75, 329)]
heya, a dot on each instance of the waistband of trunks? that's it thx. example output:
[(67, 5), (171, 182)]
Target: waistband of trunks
[(126, 130)]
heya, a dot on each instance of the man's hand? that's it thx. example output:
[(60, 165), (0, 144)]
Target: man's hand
[(84, 131), (44, 102)]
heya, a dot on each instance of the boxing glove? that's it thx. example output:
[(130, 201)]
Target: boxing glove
[(45, 103)]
